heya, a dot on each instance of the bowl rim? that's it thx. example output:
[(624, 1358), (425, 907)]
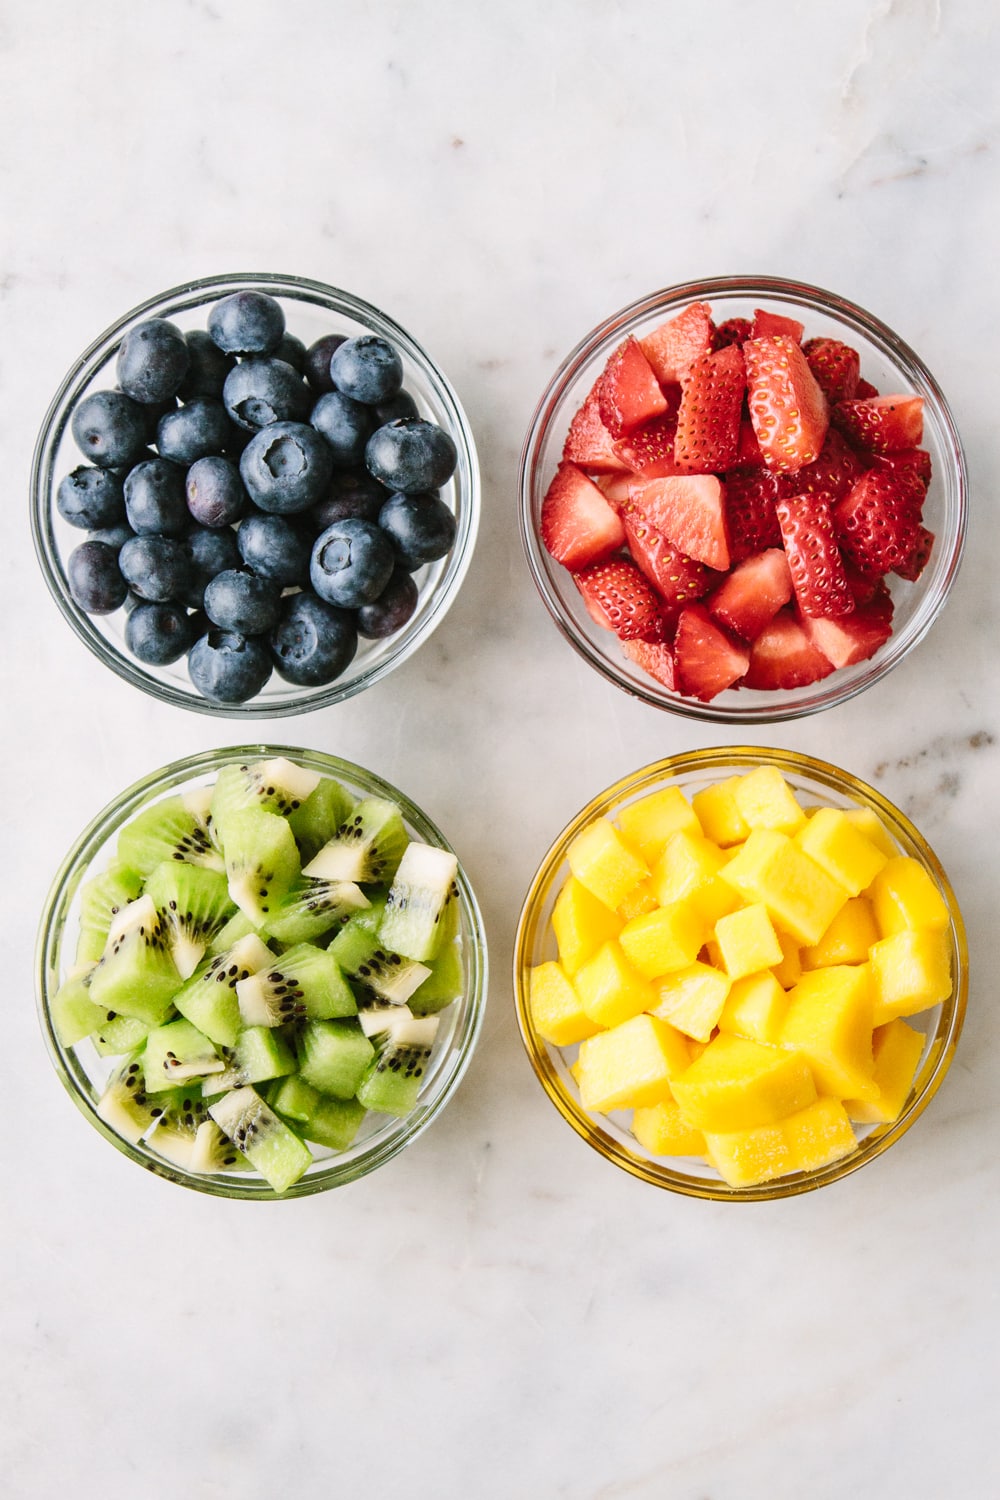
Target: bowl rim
[(800, 294), (668, 771), (185, 296), (93, 840)]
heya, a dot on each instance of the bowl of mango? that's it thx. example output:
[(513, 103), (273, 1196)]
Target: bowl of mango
[(740, 973)]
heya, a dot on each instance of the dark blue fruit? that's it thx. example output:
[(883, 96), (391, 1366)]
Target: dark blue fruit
[(113, 536), (411, 455), (207, 367), (158, 634), (259, 391), (157, 568), (346, 424), (91, 498), (357, 495), (198, 428), (274, 548), (313, 642), (155, 502), (110, 429), (351, 563), (215, 493), (95, 582), (318, 357), (209, 552), (242, 602), (152, 361), (367, 368), (293, 351), (400, 405), (286, 467), (391, 610), (420, 527), (227, 667), (247, 323)]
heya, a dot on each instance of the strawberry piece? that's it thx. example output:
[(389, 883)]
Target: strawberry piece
[(732, 331), (917, 460), (589, 443), (753, 593), (878, 521), (856, 637), (833, 473), (919, 557), (708, 423), (673, 347), (628, 392), (615, 487), (814, 559), (748, 454), (689, 509), (787, 408), (765, 324), (751, 519), (836, 366), (678, 580), (707, 660), (783, 657), (882, 424), (619, 598), (654, 657), (578, 526), (865, 390), (649, 450)]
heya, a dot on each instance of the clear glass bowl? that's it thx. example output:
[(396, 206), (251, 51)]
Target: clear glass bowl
[(886, 361), (311, 310), (84, 1072), (816, 783)]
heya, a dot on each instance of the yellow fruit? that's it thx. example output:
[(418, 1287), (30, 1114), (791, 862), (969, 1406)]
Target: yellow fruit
[(631, 1065), (818, 1135), (897, 1049), (755, 1008), (646, 825), (910, 972), (847, 939), (688, 869), (663, 940), (904, 895), (765, 800), (829, 1023), (556, 1008), (801, 899), (662, 1130), (747, 941), (718, 814), (640, 900), (601, 861), (692, 999), (581, 924), (736, 1084), (610, 990), (868, 822), (745, 1157), (789, 971), (841, 849)]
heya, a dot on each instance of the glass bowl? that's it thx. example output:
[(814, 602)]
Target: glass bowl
[(312, 310), (886, 361), (815, 783), (84, 1072)]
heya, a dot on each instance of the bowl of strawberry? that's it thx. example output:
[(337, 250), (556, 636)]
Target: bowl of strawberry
[(743, 499)]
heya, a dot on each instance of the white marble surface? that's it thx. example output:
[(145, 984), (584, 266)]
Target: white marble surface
[(499, 1313)]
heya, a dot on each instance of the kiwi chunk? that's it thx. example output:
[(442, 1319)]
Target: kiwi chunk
[(392, 1080), (333, 1056), (320, 815), (173, 828), (319, 1117), (262, 860), (366, 847), (213, 1151), (312, 908), (260, 1053), (74, 1014), (137, 975), (118, 1035), (125, 1104), (276, 786), (176, 1053), (421, 889), (444, 984), (208, 999), (304, 983), (101, 898), (376, 970), (193, 903), (267, 1142), (174, 1134)]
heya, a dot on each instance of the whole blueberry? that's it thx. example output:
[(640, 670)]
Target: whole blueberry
[(209, 551), (346, 424), (91, 498), (214, 490), (227, 667), (153, 411), (400, 405), (286, 467), (411, 455), (95, 582), (158, 634), (247, 323), (357, 495), (152, 361), (198, 428), (391, 610), (351, 563), (110, 429), (420, 527), (318, 357), (155, 502), (367, 368), (242, 602), (207, 367), (264, 390), (113, 536), (293, 351), (274, 548), (312, 642), (157, 568)]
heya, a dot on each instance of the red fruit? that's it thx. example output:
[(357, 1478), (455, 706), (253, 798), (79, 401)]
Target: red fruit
[(619, 599), (766, 324), (649, 450), (732, 331), (858, 636), (832, 474), (878, 522), (916, 460), (673, 347), (787, 408), (628, 392), (865, 390), (918, 559), (837, 367), (708, 423), (753, 593), (578, 526), (817, 568), (678, 580), (751, 519), (783, 657), (589, 443), (882, 424), (690, 512), (615, 487), (748, 454), (656, 658), (706, 658)]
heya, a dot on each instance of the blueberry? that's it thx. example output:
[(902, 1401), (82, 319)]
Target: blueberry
[(286, 467), (113, 536), (195, 430), (351, 563), (227, 667), (153, 411), (318, 357), (95, 582), (391, 610), (215, 493), (156, 568), (411, 455), (110, 428), (313, 642), (346, 424), (293, 351), (400, 405), (247, 323), (242, 602), (356, 495), (91, 498), (207, 367), (367, 368), (420, 527), (157, 634), (260, 391), (152, 361), (273, 548), (155, 502), (209, 552)]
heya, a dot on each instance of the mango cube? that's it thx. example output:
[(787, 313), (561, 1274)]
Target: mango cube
[(688, 869), (841, 849), (662, 1129), (610, 990), (789, 971), (581, 924), (868, 822), (640, 900), (904, 895), (631, 1065), (647, 824), (736, 1084), (847, 939), (747, 941), (801, 899), (897, 1049), (663, 940), (755, 1008), (910, 971), (692, 999), (745, 1157), (829, 1024), (556, 1008), (719, 815), (765, 800), (818, 1135), (602, 861)]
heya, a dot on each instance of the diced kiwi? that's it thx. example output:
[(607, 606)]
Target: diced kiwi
[(312, 908), (319, 817), (366, 847), (318, 1117), (260, 1053), (418, 898), (101, 898), (266, 1141), (304, 983), (392, 1080), (177, 1052), (213, 1151), (136, 975), (276, 786), (238, 926), (193, 903), (444, 984), (74, 1014), (125, 1105), (381, 1017), (171, 829), (209, 1000), (262, 860), (118, 1035), (375, 969), (176, 1131), (333, 1056)]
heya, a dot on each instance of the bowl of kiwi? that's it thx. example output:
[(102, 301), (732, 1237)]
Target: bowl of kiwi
[(261, 972)]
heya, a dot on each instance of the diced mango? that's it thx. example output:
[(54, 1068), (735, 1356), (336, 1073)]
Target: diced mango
[(640, 900), (818, 1135), (689, 869), (718, 814), (631, 1065), (736, 1084), (647, 824), (789, 971), (897, 1049), (904, 895), (662, 1129), (868, 822), (765, 800), (581, 924), (745, 1157), (663, 940), (692, 999), (801, 899), (841, 849), (747, 941), (829, 1023), (755, 1008), (602, 861), (610, 990), (910, 972), (847, 939), (556, 1008)]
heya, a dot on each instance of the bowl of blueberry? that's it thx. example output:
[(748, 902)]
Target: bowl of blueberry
[(254, 495)]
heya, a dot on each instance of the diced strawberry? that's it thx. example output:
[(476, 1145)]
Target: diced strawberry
[(748, 454), (628, 392), (732, 331), (649, 450), (832, 474), (620, 599), (836, 366), (879, 520), (690, 512), (753, 593), (864, 586), (766, 324), (706, 658), (865, 390), (783, 657), (656, 658), (578, 526), (589, 443), (917, 460), (678, 580), (615, 487), (919, 557), (856, 637), (673, 347), (882, 424), (817, 568), (787, 407), (708, 423), (751, 519)]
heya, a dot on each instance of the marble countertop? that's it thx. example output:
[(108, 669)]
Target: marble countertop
[(531, 1320)]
